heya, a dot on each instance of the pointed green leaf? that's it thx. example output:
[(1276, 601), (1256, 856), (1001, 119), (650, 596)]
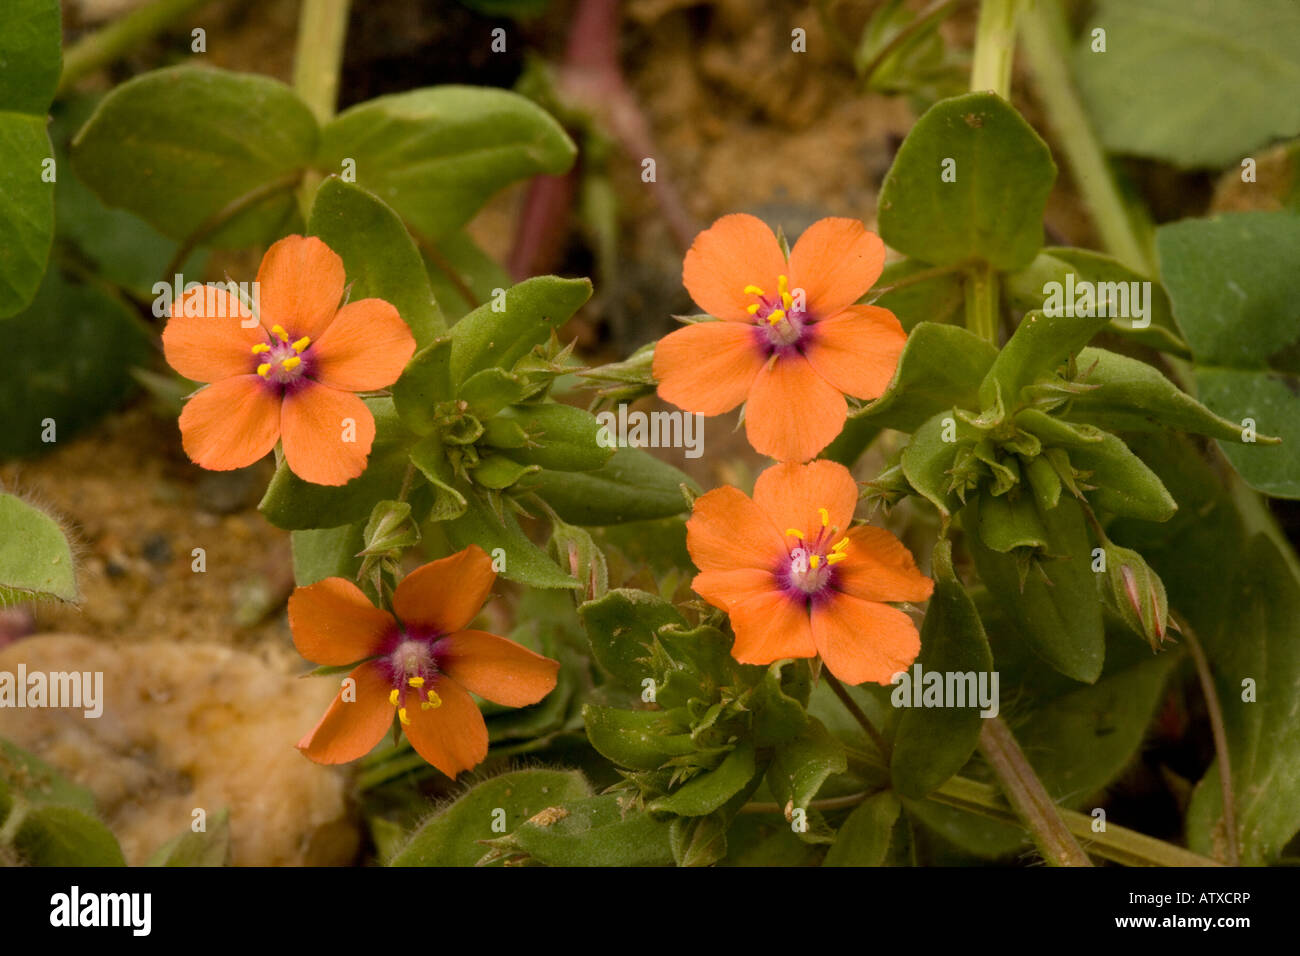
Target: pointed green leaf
[(713, 789), (864, 838), (631, 486), (525, 562), (1039, 345)]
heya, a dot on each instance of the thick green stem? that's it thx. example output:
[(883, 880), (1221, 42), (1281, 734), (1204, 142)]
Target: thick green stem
[(104, 46), (995, 47), (1046, 42), (982, 302), (317, 60)]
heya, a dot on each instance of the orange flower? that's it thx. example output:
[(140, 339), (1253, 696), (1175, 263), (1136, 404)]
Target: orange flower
[(419, 663), (291, 377), (797, 581), (791, 344)]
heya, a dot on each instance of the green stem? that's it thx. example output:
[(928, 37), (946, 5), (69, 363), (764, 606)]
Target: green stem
[(1046, 40), (935, 11), (108, 44), (317, 60), (851, 705), (982, 302), (995, 47), (1027, 795)]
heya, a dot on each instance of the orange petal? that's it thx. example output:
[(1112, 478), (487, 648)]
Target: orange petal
[(727, 530), (835, 262), (364, 348), (857, 351), (451, 736), (504, 672), (793, 413), (726, 589), (707, 367), (880, 568), (300, 284), (445, 595), (327, 433), (350, 729), (213, 344), (736, 251), (770, 627), (791, 494), (862, 641), (231, 423), (333, 623)]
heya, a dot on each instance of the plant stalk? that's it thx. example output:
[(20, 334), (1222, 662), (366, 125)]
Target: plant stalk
[(119, 37), (317, 61)]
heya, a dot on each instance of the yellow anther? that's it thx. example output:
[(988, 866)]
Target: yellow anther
[(302, 343), (826, 516), (814, 560), (291, 363), (841, 545), (835, 557), (433, 701), (264, 369), (783, 285), (753, 290), (752, 309), (261, 347), (392, 698), (416, 681), (279, 332), (794, 532), (401, 715), (775, 316)]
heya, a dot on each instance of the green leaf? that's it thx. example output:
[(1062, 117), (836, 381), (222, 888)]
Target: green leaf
[(65, 836), (1130, 395), (26, 207), (800, 766), (1235, 292), (941, 367), (780, 702), (1057, 609), (593, 832), (295, 505), (379, 257), (320, 553), (1040, 344), (525, 562), (637, 739), (993, 211), (631, 486), (1138, 92), (425, 383), (1111, 283), (713, 789), (919, 297), (37, 783), (1124, 484), (699, 841), (436, 155), (498, 472), (453, 835), (864, 838), (621, 627), (35, 559), (177, 145), (30, 41), (499, 333), (43, 377), (931, 744), (1011, 521), (563, 438), (927, 463), (430, 457), (463, 276), (205, 848)]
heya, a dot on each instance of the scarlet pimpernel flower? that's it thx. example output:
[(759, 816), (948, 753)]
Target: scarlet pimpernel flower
[(292, 376), (798, 581), (791, 343), (417, 665)]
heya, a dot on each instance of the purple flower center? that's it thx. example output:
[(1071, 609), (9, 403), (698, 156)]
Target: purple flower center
[(808, 572)]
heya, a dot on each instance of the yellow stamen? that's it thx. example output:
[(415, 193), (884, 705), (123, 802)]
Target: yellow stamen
[(783, 285), (416, 681), (401, 715), (814, 560), (392, 698), (841, 545), (433, 701), (261, 347), (752, 309), (775, 316), (279, 332), (795, 532), (290, 364), (264, 369), (826, 516), (753, 290), (302, 343), (835, 557)]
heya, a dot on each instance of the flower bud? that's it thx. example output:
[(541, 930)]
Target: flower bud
[(1138, 593)]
